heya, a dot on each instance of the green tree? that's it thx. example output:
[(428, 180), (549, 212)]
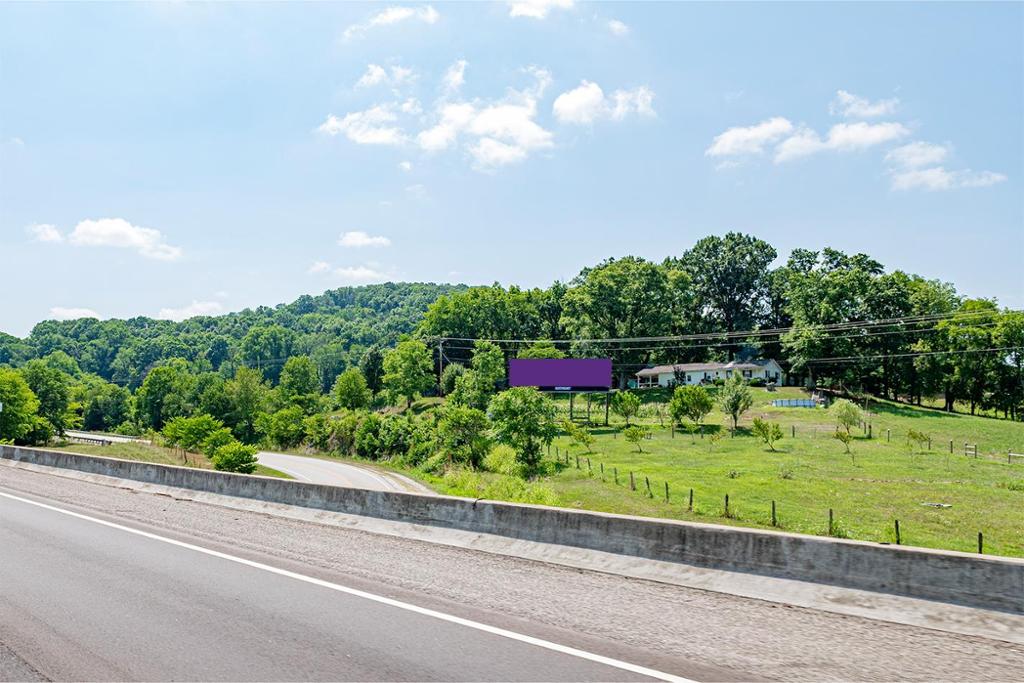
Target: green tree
[(284, 428), (690, 402), (769, 432), (730, 277), (408, 371), (524, 419), (579, 435), (462, 433), (20, 405), (636, 434), (541, 349), (190, 433), (236, 457), (847, 414), (165, 393), (372, 367), (266, 347), (734, 398), (350, 390), (248, 393), (53, 389), (625, 404), (300, 383), (450, 375)]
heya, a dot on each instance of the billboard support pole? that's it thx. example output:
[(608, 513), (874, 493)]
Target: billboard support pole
[(440, 366), (606, 397), (572, 395)]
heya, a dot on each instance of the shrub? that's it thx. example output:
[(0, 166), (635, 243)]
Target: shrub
[(285, 427), (844, 438), (625, 404), (524, 419), (769, 432), (351, 390), (635, 434), (501, 459), (367, 437), (215, 440), (735, 398), (462, 433), (692, 403), (343, 432), (449, 375), (316, 430), (236, 457), (757, 382), (847, 414), (579, 435)]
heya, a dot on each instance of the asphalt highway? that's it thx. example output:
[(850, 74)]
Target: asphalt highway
[(335, 473), (103, 583)]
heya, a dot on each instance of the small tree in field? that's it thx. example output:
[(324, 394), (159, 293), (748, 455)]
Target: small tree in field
[(692, 403), (734, 398), (846, 413), (579, 435), (236, 457), (845, 439), (636, 434), (626, 405), (769, 432), (524, 419)]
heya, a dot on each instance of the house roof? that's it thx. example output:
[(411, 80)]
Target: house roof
[(702, 367)]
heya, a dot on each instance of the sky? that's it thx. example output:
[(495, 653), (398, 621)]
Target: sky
[(180, 159)]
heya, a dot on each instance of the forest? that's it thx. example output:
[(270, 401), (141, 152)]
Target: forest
[(831, 319)]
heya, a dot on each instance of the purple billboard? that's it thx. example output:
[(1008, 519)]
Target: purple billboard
[(561, 374)]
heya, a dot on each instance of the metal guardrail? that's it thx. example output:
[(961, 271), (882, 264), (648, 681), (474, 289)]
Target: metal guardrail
[(88, 439)]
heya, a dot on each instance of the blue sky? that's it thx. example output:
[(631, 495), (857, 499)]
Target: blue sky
[(176, 158)]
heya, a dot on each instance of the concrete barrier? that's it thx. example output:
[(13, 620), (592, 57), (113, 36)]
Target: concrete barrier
[(972, 580)]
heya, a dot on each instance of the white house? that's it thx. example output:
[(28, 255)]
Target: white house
[(696, 373)]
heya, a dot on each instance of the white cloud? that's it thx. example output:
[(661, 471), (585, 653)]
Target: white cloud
[(17, 142), (61, 313), (851, 106), (192, 310), (319, 267), (582, 104), (357, 239), (370, 127), (842, 137), (454, 118), (617, 27), (117, 232), (488, 153), (392, 15), (536, 9), (938, 178), (44, 232), (411, 106), (455, 76), (741, 140), (405, 165), (917, 154), (359, 274), (586, 103), (377, 75)]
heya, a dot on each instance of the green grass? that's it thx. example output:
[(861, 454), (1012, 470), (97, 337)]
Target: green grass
[(879, 482), (152, 453)]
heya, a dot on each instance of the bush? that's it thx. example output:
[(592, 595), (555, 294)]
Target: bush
[(462, 433), (367, 437), (501, 459), (343, 432), (625, 404), (581, 436), (351, 390), (524, 419), (757, 382), (769, 432), (846, 414), (636, 434), (449, 376), (285, 427), (395, 435), (216, 440), (236, 457)]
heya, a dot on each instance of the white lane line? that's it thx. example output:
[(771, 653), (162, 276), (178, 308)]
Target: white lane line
[(494, 630)]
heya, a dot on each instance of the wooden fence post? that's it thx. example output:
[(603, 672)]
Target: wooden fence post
[(830, 521), (897, 531), (632, 481), (774, 520), (690, 506), (727, 505), (666, 491)]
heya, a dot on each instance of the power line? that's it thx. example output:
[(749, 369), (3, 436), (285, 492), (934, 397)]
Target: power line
[(853, 359)]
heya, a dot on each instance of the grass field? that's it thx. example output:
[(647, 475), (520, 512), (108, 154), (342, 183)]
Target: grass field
[(152, 453), (879, 482)]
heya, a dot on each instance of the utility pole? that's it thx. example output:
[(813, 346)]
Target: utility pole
[(440, 365)]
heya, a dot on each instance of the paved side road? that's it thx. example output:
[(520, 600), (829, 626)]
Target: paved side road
[(335, 473), (81, 601)]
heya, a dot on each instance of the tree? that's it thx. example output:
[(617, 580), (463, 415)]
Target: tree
[(769, 432), (524, 419), (350, 390), (165, 393), (730, 277), (462, 433), (52, 388), (450, 375), (372, 367), (408, 371), (844, 438), (541, 349), (734, 398), (236, 457), (190, 433), (300, 383), (18, 415), (691, 402), (248, 394), (636, 434), (284, 428), (625, 404), (266, 348), (579, 435), (846, 414), (475, 387)]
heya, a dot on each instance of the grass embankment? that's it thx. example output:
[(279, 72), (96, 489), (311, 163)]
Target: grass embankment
[(145, 452), (880, 481)]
